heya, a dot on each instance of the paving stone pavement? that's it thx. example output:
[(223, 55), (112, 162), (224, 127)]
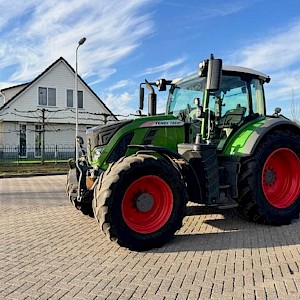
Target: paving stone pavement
[(49, 250)]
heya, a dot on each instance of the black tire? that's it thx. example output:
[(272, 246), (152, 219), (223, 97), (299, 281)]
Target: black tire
[(140, 202), (269, 181)]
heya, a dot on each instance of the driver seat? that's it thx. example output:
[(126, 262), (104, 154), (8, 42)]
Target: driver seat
[(232, 117)]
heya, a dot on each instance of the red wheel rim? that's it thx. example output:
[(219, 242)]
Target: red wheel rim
[(147, 204), (281, 178)]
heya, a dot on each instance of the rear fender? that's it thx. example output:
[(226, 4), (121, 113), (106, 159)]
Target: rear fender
[(246, 140)]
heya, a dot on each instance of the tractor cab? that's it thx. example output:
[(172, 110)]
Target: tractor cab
[(216, 113)]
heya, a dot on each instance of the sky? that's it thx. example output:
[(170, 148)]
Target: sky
[(128, 41)]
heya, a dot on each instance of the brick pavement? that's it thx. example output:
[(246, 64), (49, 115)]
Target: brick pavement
[(49, 250)]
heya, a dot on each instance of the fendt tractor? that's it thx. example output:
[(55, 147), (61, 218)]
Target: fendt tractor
[(215, 145)]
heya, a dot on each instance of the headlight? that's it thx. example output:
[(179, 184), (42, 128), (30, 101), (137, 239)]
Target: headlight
[(97, 152)]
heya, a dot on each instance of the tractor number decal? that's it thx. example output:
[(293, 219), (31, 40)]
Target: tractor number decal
[(163, 123)]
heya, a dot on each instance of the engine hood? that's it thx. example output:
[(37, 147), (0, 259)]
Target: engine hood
[(100, 135)]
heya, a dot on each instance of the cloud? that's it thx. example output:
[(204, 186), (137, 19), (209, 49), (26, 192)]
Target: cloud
[(14, 12), (46, 30), (208, 11), (164, 67), (224, 9), (125, 83), (285, 85), (272, 52), (121, 104), (276, 54), (125, 104), (122, 97)]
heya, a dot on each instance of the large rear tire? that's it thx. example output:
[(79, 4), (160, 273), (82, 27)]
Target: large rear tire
[(269, 182), (140, 202)]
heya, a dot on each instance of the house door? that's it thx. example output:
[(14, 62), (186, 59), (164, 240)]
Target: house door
[(23, 150)]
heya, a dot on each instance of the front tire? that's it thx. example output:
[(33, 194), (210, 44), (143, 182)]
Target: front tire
[(140, 202), (270, 180)]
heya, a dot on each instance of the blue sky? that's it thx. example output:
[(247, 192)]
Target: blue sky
[(130, 40)]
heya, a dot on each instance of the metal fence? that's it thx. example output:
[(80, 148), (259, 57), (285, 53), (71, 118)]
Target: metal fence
[(28, 153)]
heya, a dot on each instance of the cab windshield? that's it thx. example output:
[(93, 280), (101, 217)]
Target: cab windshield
[(182, 96), (234, 92)]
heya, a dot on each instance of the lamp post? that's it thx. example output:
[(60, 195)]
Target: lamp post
[(80, 42)]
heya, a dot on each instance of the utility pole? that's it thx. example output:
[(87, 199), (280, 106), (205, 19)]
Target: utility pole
[(80, 42)]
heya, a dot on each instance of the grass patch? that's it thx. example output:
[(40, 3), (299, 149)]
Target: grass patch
[(29, 168)]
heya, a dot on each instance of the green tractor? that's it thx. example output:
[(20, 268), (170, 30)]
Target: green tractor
[(214, 146)]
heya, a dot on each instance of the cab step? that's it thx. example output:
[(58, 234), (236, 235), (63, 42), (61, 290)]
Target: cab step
[(225, 202), (225, 186)]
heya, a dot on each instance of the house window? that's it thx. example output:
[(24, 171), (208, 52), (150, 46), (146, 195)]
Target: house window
[(42, 96), (80, 99), (70, 101), (47, 96), (69, 98)]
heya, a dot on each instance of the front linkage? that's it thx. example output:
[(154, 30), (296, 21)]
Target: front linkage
[(80, 184)]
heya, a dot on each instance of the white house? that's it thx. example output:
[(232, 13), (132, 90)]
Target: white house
[(40, 115)]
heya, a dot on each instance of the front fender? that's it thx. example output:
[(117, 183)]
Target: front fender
[(194, 188)]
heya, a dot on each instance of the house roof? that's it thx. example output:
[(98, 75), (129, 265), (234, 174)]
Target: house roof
[(14, 86), (28, 85)]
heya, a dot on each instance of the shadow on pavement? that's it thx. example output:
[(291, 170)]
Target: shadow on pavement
[(229, 233)]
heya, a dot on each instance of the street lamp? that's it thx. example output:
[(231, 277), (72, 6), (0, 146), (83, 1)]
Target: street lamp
[(80, 42)]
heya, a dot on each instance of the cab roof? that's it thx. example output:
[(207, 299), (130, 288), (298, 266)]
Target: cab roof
[(238, 69), (226, 70)]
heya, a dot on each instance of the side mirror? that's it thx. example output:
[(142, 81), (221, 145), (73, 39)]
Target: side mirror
[(277, 111), (142, 95), (214, 74)]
